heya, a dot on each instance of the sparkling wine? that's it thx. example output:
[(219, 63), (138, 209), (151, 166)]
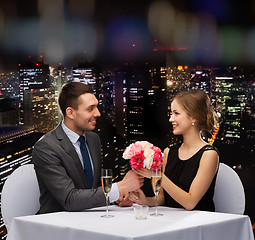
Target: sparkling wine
[(106, 184), (156, 181)]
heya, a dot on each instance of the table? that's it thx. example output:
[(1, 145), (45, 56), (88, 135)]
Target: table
[(174, 224)]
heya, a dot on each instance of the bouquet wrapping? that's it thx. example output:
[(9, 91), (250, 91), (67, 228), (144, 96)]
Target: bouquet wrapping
[(143, 154)]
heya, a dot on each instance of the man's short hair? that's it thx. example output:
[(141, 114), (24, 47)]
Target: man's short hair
[(69, 94)]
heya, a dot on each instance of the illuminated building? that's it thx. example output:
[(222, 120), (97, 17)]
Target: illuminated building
[(200, 79), (112, 142), (16, 145), (59, 75), (128, 101), (119, 99), (31, 76), (112, 122), (140, 103), (247, 125), (177, 79), (84, 74), (248, 122), (40, 109), (229, 94), (106, 95), (248, 118), (9, 85), (156, 110), (135, 80)]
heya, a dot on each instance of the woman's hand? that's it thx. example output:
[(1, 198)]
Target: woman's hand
[(138, 197), (145, 172), (124, 200)]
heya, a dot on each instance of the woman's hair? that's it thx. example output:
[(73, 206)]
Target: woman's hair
[(69, 94), (197, 104)]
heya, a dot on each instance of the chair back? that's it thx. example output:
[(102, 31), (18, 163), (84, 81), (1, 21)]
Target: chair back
[(229, 194), (20, 194)]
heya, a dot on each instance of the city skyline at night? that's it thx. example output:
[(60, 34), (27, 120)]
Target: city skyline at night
[(134, 100), (133, 91)]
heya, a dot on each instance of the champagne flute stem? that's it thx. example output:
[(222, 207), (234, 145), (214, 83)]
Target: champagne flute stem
[(107, 206), (156, 204)]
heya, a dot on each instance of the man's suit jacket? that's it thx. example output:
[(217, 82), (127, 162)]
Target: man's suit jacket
[(61, 176)]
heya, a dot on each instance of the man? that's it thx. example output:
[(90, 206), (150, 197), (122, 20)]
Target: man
[(58, 159)]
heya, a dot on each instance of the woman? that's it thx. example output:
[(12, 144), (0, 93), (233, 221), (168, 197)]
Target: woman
[(189, 169)]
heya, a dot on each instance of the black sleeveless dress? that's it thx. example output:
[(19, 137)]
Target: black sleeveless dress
[(182, 173)]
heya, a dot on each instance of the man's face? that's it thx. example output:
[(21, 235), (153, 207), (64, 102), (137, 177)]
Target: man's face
[(84, 118)]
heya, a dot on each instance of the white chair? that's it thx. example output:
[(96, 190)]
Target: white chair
[(229, 194), (20, 194)]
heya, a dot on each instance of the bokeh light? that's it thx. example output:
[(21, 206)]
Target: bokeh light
[(80, 28), (1, 22), (51, 10), (161, 20), (250, 46), (199, 36), (65, 38), (230, 45), (81, 8), (21, 37), (207, 39), (126, 38), (81, 36), (220, 9), (53, 50)]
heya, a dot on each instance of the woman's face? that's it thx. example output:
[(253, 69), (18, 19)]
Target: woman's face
[(180, 120)]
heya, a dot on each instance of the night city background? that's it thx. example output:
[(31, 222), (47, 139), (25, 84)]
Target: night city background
[(136, 57)]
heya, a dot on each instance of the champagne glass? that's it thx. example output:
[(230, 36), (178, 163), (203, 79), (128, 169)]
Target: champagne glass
[(106, 179), (156, 182)]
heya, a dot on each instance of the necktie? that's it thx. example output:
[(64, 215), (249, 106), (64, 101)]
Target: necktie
[(86, 161)]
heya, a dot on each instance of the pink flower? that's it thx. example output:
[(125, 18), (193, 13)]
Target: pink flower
[(136, 162), (144, 144), (136, 149), (158, 158)]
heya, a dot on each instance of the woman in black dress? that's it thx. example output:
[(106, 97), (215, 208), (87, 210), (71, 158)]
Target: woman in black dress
[(189, 169)]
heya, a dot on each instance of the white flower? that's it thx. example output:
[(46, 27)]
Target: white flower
[(148, 162), (148, 154), (127, 153)]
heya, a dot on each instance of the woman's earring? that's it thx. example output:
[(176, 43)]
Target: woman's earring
[(192, 123)]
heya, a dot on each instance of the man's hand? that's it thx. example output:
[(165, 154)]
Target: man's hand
[(131, 182)]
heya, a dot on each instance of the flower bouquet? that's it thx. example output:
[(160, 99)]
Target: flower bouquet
[(143, 154)]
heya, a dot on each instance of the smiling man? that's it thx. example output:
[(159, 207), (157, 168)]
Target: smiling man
[(67, 181)]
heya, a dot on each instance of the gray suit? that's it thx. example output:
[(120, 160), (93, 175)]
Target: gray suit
[(60, 173)]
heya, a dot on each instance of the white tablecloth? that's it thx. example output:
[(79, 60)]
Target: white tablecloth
[(174, 224)]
